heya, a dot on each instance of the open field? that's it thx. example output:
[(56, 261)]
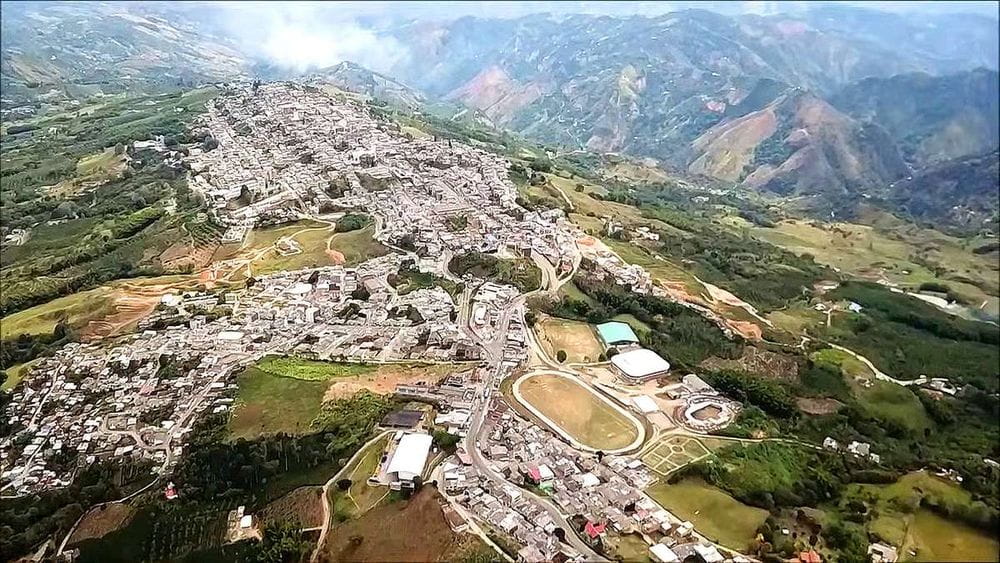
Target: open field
[(405, 530), (901, 520), (896, 403), (937, 539), (91, 170), (267, 403), (311, 370), (906, 255), (629, 319), (576, 338), (671, 452), (357, 246), (578, 411), (714, 513), (284, 394), (76, 310), (630, 547), (882, 399)]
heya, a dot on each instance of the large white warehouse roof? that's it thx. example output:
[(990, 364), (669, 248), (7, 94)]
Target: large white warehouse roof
[(410, 456), (640, 363)]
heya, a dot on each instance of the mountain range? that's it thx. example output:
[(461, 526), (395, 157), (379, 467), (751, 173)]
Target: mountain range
[(833, 103)]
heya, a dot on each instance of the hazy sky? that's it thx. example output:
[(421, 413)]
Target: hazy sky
[(503, 8), (307, 35)]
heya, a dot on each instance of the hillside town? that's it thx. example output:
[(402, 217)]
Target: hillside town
[(284, 152)]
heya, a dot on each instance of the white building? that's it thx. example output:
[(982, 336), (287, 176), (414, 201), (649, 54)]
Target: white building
[(636, 366), (408, 459)]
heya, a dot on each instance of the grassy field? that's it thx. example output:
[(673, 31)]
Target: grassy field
[(937, 539), (904, 254), (882, 399), (361, 497), (901, 520), (637, 325), (714, 513), (578, 411), (267, 403), (570, 290), (311, 370), (75, 310), (303, 505), (576, 338), (16, 373), (358, 246), (630, 547)]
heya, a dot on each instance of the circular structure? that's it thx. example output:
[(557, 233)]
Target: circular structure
[(707, 413), (585, 418)]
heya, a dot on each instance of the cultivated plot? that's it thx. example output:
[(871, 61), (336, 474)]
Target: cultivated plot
[(671, 452)]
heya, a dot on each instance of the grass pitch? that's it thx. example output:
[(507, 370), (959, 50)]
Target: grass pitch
[(578, 412), (714, 513)]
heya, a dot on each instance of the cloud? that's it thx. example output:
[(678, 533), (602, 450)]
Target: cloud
[(305, 36)]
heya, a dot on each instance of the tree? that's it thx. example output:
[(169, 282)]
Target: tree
[(281, 543), (344, 484), (446, 441), (561, 356)]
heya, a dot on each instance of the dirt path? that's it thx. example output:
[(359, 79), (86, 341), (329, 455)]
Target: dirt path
[(327, 509)]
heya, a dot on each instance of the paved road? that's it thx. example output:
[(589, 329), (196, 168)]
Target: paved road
[(471, 446)]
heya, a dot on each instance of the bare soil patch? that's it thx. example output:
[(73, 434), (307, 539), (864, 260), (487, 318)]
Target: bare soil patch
[(772, 365), (100, 521), (706, 413), (385, 379), (818, 406)]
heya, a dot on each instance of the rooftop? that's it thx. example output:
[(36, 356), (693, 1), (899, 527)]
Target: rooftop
[(640, 363), (615, 332)]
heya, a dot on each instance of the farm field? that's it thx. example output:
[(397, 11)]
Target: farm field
[(672, 452), (388, 533), (100, 521), (873, 254), (576, 338), (702, 504), (579, 412), (902, 520), (303, 505)]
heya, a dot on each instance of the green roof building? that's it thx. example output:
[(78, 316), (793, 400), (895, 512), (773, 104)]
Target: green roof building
[(615, 333)]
